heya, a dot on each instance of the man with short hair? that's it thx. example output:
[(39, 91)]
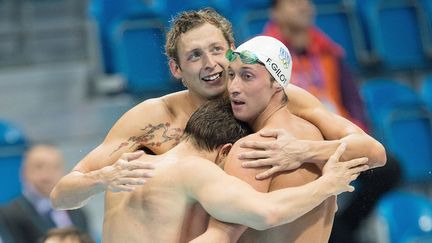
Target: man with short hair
[(30, 216), (259, 71), (189, 173), (196, 47)]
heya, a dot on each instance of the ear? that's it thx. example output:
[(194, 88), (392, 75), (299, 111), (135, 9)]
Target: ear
[(222, 153), (175, 69)]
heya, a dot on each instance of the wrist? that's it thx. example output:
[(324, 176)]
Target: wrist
[(97, 179)]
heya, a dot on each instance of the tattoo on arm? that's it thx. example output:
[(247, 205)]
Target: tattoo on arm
[(153, 136)]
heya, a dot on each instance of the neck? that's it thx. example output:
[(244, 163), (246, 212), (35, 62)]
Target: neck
[(274, 105), (187, 148)]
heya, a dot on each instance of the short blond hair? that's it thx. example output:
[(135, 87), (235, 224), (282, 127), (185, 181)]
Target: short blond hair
[(188, 20)]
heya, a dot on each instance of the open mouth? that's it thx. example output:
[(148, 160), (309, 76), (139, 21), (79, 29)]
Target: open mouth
[(237, 102), (212, 77)]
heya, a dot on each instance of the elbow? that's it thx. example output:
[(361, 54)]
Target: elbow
[(379, 155), (269, 218)]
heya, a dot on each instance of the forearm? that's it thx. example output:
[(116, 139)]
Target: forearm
[(75, 189), (358, 145)]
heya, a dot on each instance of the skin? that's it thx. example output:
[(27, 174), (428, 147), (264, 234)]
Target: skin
[(258, 101), (141, 216), (157, 124)]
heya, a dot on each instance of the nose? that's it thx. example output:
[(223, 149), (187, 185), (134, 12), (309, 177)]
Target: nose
[(210, 61), (233, 87)]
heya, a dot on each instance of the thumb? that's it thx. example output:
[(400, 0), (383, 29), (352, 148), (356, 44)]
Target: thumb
[(132, 156)]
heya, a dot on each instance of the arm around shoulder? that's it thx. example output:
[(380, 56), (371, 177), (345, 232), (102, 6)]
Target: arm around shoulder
[(106, 167)]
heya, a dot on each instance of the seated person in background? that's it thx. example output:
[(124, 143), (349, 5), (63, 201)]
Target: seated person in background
[(67, 235), (187, 173), (319, 65), (31, 215), (320, 68)]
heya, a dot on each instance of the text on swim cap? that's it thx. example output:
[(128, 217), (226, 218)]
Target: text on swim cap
[(276, 70)]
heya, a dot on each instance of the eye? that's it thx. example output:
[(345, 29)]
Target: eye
[(194, 55), (231, 74), (247, 76), (218, 49)]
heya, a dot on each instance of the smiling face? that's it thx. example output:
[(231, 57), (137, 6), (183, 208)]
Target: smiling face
[(202, 62), (250, 89)]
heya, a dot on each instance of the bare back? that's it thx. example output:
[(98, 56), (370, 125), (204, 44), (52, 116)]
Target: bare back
[(154, 212), (314, 226)]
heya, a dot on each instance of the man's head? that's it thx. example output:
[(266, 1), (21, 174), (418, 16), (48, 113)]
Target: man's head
[(259, 69), (43, 167), (67, 235), (296, 15), (213, 125), (196, 46)]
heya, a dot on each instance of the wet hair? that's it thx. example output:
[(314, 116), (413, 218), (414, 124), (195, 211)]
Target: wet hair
[(214, 124), (188, 20), (68, 233)]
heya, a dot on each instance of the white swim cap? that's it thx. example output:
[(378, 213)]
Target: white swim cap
[(274, 54)]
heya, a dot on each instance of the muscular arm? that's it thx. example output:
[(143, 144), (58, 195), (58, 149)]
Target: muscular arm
[(224, 232), (335, 130), (229, 199), (107, 167)]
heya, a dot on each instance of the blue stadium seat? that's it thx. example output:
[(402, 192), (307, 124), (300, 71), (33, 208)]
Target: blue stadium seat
[(339, 20), (383, 95), (107, 12), (249, 18), (398, 32), (401, 122), (426, 91), (139, 55), (12, 146), (405, 217)]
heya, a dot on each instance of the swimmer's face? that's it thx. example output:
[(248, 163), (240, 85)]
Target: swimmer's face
[(201, 54), (250, 89)]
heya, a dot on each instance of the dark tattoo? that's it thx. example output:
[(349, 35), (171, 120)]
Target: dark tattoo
[(154, 136)]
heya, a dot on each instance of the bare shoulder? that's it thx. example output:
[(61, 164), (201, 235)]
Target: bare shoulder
[(162, 107)]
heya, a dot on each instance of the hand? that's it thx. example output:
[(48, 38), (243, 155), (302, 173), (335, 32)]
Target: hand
[(126, 173), (341, 174), (283, 154)]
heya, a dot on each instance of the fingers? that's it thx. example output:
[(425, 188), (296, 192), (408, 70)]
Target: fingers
[(132, 156), (359, 169), (338, 153), (351, 188), (256, 145), (356, 162), (254, 155), (272, 133), (258, 163), (137, 164), (266, 174), (130, 181)]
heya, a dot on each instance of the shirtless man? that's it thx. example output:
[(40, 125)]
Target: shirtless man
[(155, 212), (196, 47), (256, 88)]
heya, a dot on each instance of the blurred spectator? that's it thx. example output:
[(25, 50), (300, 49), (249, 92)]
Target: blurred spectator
[(30, 216), (320, 68), (67, 235)]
